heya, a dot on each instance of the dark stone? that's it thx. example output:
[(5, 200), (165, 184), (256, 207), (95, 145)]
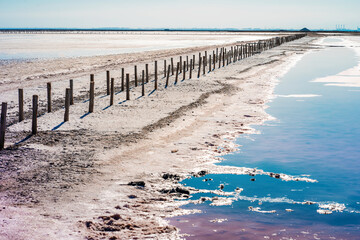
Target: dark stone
[(183, 191), (202, 173), (88, 224), (277, 175), (116, 216), (253, 179), (132, 196), (137, 183), (171, 176)]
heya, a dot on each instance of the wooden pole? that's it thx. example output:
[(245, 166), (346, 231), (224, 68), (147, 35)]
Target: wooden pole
[(205, 62), (21, 104), (122, 79), (214, 61), (172, 66), (199, 66), (217, 54), (204, 66), (187, 63), (164, 68), (135, 75), (210, 63), (220, 58), (127, 86), (156, 77), (184, 72), (71, 92), (147, 72), (3, 125), (112, 92), (107, 82), (167, 77), (67, 104), (143, 83), (223, 60), (48, 97), (191, 63), (92, 93), (180, 69), (35, 113), (177, 72)]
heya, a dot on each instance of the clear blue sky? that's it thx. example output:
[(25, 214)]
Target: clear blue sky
[(180, 13)]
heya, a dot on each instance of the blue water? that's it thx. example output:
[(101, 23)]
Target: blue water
[(317, 136)]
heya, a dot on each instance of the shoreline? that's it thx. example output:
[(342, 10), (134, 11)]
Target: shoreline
[(186, 139)]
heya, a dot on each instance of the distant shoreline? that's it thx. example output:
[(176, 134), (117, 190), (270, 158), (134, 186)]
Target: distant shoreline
[(104, 30)]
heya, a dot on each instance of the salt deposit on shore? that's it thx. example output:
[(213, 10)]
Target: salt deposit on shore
[(73, 182)]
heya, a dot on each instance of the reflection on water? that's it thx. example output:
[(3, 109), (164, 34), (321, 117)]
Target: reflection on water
[(317, 136)]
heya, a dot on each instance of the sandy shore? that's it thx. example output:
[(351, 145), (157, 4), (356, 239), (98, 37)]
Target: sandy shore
[(73, 182)]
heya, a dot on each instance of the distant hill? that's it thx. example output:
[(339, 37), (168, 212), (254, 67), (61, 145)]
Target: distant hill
[(305, 30)]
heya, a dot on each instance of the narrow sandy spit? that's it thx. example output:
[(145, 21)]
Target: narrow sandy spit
[(73, 183)]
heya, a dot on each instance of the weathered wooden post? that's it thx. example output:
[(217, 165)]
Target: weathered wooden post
[(224, 53), (156, 77), (112, 92), (214, 61), (217, 54), (184, 71), (127, 86), (21, 104), (92, 94), (71, 92), (199, 66), (122, 79), (220, 58), (167, 77), (177, 72), (48, 87), (187, 63), (147, 72), (3, 125), (143, 83), (205, 62), (172, 66), (107, 82), (34, 114), (135, 76), (191, 63), (204, 66), (180, 69), (67, 105), (210, 63), (164, 68)]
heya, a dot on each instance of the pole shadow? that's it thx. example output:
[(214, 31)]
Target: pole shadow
[(86, 114), (58, 126), (23, 140)]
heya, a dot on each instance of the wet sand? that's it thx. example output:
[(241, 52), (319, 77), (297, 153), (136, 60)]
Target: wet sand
[(73, 181)]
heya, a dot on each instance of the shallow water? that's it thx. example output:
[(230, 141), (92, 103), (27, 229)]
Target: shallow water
[(316, 135)]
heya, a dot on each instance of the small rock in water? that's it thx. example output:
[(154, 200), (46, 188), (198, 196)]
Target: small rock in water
[(221, 186), (202, 173), (277, 175), (253, 179)]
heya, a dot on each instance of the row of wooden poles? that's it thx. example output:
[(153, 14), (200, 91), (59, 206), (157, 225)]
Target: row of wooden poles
[(216, 59)]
